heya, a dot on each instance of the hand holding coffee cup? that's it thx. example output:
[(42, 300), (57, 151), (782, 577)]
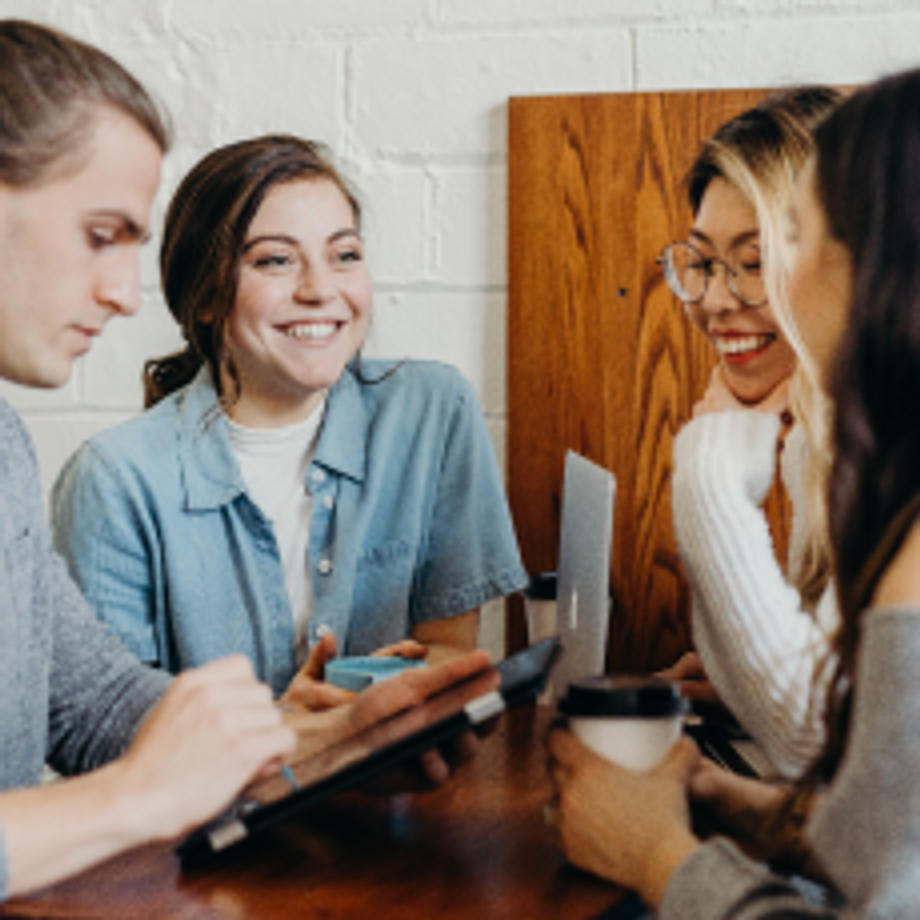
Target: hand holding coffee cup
[(633, 721)]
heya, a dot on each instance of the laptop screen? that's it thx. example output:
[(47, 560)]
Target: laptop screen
[(583, 593)]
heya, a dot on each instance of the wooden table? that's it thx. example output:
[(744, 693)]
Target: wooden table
[(476, 848)]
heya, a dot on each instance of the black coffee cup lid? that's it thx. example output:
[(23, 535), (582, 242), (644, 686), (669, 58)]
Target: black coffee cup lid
[(628, 695)]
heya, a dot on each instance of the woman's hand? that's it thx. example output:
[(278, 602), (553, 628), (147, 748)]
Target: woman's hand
[(408, 648), (631, 828), (690, 675), (317, 730), (755, 815), (719, 398), (308, 688)]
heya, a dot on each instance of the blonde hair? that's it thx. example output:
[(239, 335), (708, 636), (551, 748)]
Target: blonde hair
[(761, 154)]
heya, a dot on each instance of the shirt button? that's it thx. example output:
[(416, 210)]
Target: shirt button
[(323, 630), (328, 501), (324, 566), (318, 476)]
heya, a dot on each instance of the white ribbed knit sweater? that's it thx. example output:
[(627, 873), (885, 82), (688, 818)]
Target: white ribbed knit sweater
[(761, 649)]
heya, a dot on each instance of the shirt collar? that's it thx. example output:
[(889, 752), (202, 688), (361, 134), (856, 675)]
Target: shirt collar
[(342, 446), (211, 476)]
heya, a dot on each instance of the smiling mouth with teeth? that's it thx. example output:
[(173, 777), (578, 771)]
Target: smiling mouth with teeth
[(312, 331), (741, 345)]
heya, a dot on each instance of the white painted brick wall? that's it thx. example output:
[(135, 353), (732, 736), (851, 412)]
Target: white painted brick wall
[(412, 95)]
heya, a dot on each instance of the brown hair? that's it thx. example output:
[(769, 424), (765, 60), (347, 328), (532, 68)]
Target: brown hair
[(49, 83), (205, 231), (867, 180)]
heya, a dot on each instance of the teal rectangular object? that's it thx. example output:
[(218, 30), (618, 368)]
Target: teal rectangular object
[(357, 673)]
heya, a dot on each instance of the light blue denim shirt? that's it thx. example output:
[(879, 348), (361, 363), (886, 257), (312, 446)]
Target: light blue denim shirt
[(410, 523)]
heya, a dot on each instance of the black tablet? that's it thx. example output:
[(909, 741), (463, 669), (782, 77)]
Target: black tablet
[(365, 755)]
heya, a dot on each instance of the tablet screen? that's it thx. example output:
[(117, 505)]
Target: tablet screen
[(328, 762)]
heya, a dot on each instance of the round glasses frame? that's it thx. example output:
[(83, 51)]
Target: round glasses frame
[(707, 263)]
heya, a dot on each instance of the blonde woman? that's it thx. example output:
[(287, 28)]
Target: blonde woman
[(761, 634)]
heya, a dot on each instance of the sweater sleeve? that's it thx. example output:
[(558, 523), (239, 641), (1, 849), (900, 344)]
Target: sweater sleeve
[(866, 831), (760, 648), (718, 883), (101, 530), (99, 692)]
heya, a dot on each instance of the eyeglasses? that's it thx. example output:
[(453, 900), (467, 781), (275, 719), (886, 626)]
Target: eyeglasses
[(688, 272)]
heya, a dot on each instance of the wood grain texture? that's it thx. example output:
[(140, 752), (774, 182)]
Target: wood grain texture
[(600, 357), (476, 848)]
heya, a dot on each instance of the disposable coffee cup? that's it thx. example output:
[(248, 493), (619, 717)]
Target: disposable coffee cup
[(540, 607), (632, 721)]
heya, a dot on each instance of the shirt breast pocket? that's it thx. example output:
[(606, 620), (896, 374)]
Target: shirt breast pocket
[(387, 556), (384, 581)]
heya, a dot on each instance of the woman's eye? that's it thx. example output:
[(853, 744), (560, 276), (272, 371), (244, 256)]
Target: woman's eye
[(275, 260), (751, 268), (350, 255)]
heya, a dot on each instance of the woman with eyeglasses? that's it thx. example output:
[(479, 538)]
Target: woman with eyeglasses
[(854, 294), (760, 634)]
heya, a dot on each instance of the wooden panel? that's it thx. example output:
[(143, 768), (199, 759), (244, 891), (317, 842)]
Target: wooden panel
[(600, 357)]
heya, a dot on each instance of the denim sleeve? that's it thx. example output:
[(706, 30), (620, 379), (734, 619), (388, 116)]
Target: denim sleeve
[(471, 554), (100, 529)]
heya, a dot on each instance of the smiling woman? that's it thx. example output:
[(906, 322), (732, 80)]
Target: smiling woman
[(732, 308), (762, 633), (284, 498)]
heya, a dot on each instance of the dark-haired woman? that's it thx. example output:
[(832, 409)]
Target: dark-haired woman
[(855, 298), (761, 625), (285, 498)]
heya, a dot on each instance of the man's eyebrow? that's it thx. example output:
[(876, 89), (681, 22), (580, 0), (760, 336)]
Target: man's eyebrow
[(129, 227)]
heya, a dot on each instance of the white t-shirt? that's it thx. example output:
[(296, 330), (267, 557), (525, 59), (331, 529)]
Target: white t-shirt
[(274, 464)]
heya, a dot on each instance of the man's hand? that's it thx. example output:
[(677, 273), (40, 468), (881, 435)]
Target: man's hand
[(215, 729)]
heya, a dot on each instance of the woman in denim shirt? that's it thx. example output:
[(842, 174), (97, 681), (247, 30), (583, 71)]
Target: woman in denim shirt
[(283, 497)]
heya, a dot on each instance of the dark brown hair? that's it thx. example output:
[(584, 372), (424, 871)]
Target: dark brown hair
[(867, 181), (49, 84), (763, 138), (204, 234)]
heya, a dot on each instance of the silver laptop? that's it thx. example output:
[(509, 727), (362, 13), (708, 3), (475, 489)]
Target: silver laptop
[(583, 591)]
